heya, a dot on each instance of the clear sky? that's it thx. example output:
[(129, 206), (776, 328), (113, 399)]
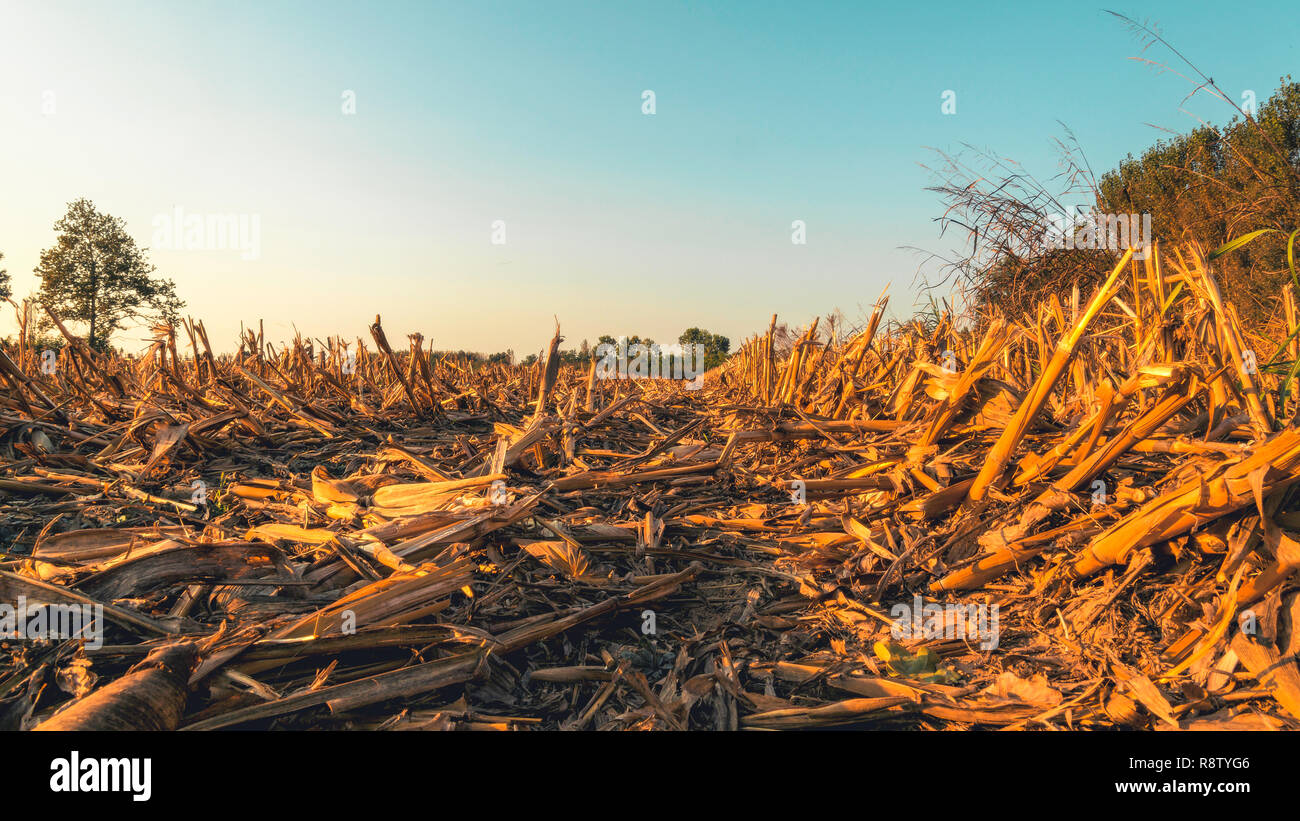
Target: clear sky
[(530, 113)]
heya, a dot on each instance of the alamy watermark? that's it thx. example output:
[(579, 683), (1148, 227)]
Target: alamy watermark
[(676, 361), (498, 494), (969, 622), (179, 231), (44, 622), (1090, 230), (1248, 103), (127, 775), (798, 492)]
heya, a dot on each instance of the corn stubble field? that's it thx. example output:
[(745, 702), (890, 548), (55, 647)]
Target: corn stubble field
[(424, 545)]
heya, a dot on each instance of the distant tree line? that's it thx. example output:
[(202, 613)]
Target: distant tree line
[(716, 347), (98, 280)]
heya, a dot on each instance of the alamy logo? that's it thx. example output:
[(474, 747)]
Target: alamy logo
[(77, 774), (949, 362), (52, 621), (498, 494), (798, 492), (1094, 231), (623, 361), (179, 231), (949, 104), (946, 621)]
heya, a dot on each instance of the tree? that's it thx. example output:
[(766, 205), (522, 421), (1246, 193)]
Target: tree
[(5, 290), (1214, 184), (606, 339), (716, 346), (95, 274)]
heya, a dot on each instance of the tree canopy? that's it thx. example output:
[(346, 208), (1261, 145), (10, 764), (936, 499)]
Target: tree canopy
[(1210, 185), (96, 274), (716, 346), (1215, 184)]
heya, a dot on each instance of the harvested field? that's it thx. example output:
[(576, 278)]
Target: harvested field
[(1084, 519)]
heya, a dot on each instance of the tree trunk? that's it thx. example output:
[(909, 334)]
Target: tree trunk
[(94, 301)]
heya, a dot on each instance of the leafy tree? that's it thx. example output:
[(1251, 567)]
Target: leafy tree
[(5, 290), (606, 339), (1214, 184), (716, 346), (95, 274), (1210, 185)]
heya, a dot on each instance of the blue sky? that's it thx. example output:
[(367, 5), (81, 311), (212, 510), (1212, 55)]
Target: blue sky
[(531, 113)]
